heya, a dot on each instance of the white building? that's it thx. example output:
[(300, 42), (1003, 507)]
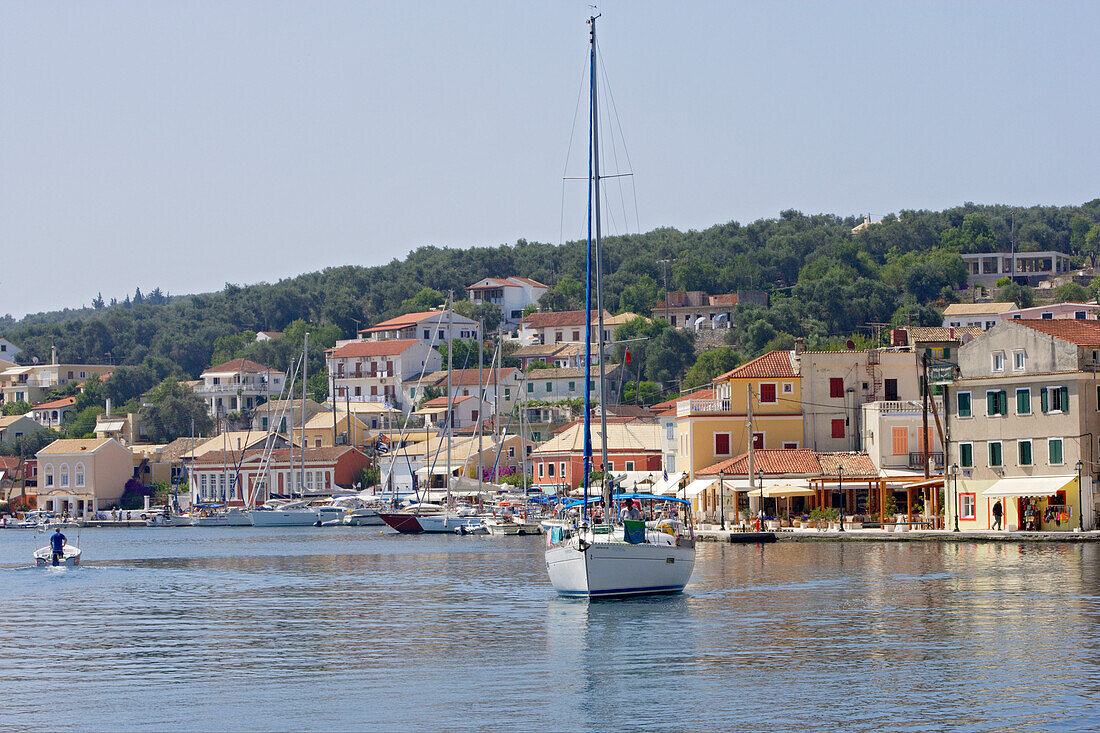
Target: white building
[(504, 382), (464, 411), (555, 385), (430, 327), (512, 294), (561, 327), (374, 371), (8, 350), (238, 385), (31, 383), (52, 414)]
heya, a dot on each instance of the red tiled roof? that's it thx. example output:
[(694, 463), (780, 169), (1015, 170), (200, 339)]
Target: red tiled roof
[(281, 455), (391, 347), (239, 365), (772, 365), (559, 319), (707, 393), (409, 319), (444, 401), (771, 462), (491, 282), (1082, 333), (468, 377), (63, 402), (797, 461)]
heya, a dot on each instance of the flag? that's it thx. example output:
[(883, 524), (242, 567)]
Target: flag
[(382, 445), (627, 354)]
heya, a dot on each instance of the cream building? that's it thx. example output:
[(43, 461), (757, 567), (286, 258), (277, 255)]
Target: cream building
[(80, 477), (1024, 426)]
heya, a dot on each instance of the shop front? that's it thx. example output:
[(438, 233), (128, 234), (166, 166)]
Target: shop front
[(1033, 504)]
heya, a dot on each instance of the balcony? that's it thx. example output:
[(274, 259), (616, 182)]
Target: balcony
[(905, 407), (232, 390), (916, 460), (702, 407)]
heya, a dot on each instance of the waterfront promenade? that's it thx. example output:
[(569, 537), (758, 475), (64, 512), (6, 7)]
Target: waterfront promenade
[(915, 535)]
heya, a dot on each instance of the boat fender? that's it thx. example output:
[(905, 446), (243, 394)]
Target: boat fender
[(317, 523), (582, 545), (144, 516)]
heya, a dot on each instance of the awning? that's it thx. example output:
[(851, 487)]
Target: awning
[(698, 486), (776, 491), (1029, 486), (668, 486), (754, 486), (932, 483), (634, 479), (110, 426)]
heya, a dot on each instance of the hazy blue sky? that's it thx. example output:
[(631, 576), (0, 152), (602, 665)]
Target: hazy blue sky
[(186, 144)]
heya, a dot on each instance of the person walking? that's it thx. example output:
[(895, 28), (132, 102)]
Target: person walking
[(998, 513)]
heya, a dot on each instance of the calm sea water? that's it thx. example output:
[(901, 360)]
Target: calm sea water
[(302, 628)]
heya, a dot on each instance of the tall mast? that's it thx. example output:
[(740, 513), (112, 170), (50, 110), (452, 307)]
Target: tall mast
[(450, 395), (595, 122), (480, 404), (305, 376)]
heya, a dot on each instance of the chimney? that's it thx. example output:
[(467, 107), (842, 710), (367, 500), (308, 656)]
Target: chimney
[(108, 407), (53, 355), (799, 346), (899, 337)]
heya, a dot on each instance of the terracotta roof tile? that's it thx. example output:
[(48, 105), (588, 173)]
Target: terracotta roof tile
[(977, 309), (1082, 333), (769, 462), (391, 347), (408, 319), (772, 365), (238, 365), (63, 402), (855, 465), (559, 319)]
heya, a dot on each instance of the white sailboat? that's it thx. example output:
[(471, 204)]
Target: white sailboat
[(603, 560)]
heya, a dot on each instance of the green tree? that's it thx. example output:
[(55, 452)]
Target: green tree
[(710, 364), (169, 410), (664, 352), (82, 423), (1091, 245), (640, 297), (231, 346), (425, 300), (566, 295), (317, 386), (1016, 293), (1070, 293), (18, 407), (972, 235), (641, 393)]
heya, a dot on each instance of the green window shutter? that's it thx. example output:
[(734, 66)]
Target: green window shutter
[(1054, 451), (994, 454), (990, 403), (1025, 452), (1044, 400), (530, 388), (1023, 401), (1002, 402), (966, 455), (1065, 399), (947, 352), (963, 401)]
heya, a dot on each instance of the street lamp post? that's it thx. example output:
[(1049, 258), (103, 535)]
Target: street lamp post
[(722, 497), (840, 490), (955, 495), (1080, 507)]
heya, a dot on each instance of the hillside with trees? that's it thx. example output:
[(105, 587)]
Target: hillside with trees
[(825, 283)]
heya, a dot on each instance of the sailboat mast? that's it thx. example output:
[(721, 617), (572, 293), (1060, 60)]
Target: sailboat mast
[(606, 489), (450, 395), (480, 404), (305, 376)]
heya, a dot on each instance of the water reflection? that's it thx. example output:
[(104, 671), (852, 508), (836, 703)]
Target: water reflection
[(201, 629)]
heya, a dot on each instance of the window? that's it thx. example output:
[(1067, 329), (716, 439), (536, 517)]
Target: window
[(1054, 451), (963, 401), (1054, 399), (995, 456), (996, 402), (1023, 401), (900, 440), (1048, 316), (1079, 315), (576, 334), (767, 394), (998, 359), (966, 455), (790, 446), (838, 428), (511, 451), (79, 475), (836, 387), (721, 444), (758, 441), (540, 470), (550, 469), (1024, 451), (64, 475), (549, 386), (530, 388), (630, 465), (670, 431), (561, 467), (788, 388), (49, 475), (507, 394), (1019, 361), (572, 386), (967, 505)]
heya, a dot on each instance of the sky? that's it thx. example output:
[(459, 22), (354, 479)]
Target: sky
[(183, 145)]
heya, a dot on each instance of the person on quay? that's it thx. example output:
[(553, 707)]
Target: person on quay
[(998, 514), (57, 546)]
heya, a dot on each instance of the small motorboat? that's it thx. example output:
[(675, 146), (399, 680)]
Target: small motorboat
[(43, 557)]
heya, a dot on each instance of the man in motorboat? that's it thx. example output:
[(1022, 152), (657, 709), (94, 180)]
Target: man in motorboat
[(57, 547)]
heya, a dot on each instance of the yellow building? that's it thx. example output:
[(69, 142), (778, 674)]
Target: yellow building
[(715, 429), (347, 428)]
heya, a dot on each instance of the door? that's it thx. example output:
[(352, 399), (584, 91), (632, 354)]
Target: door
[(891, 386)]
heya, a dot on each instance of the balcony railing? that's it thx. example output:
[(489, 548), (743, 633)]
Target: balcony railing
[(916, 460), (230, 390), (693, 407), (906, 407)]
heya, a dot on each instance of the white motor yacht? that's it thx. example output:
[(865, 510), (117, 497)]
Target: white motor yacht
[(288, 514), (43, 557)]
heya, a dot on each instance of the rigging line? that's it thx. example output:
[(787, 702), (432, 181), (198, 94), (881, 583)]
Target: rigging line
[(614, 146), (569, 150), (585, 178), (622, 138)]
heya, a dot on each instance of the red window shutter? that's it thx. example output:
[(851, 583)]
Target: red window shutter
[(767, 393), (758, 441), (838, 428), (721, 444), (836, 387)]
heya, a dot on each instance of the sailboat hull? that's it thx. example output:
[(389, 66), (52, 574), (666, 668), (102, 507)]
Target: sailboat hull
[(617, 569)]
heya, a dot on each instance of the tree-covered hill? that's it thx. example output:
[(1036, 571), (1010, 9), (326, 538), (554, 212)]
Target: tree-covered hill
[(824, 281)]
